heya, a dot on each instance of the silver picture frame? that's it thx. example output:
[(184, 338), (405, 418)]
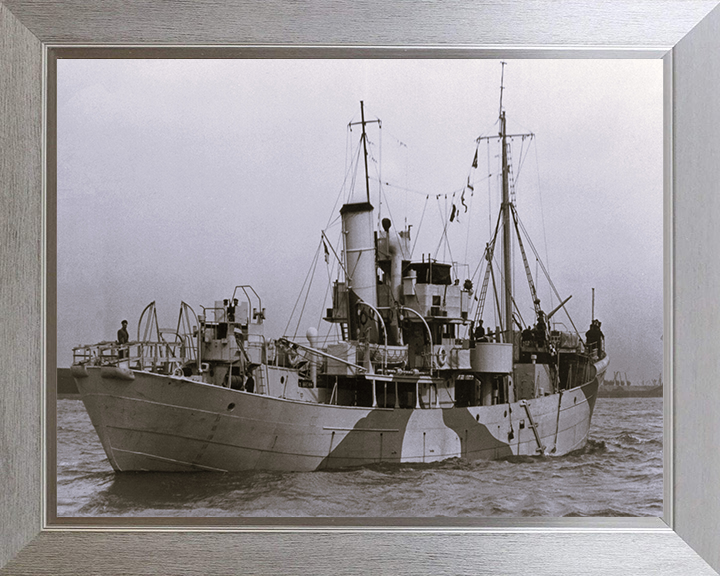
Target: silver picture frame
[(685, 33)]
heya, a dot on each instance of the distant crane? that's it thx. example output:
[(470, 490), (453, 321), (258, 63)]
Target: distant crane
[(618, 379)]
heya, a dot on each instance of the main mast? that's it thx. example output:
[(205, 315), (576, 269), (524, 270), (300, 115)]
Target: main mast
[(507, 260), (507, 214)]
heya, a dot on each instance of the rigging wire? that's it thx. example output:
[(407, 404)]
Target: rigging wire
[(417, 232), (420, 192), (339, 267), (542, 216), (498, 318), (523, 157), (489, 250), (381, 183), (379, 169), (468, 209), (307, 294), (443, 236), (469, 226), (351, 169), (547, 275), (489, 190), (353, 181), (521, 324), (334, 220), (302, 289), (395, 228), (329, 268), (490, 129)]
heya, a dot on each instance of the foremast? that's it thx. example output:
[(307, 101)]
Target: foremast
[(363, 123), (360, 252)]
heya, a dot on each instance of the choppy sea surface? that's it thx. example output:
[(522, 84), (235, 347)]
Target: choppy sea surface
[(618, 473)]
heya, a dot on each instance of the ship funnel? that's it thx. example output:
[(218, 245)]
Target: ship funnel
[(357, 220), (361, 266)]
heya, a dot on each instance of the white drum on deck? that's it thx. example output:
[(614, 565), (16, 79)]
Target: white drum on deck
[(495, 357)]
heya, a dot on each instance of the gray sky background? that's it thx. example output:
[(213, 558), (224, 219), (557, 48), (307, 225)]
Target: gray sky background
[(179, 179)]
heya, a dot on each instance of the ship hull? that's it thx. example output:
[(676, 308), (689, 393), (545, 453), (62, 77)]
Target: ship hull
[(154, 422)]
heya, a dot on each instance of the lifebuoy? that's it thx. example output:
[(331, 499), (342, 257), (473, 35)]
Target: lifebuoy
[(363, 317), (442, 356)]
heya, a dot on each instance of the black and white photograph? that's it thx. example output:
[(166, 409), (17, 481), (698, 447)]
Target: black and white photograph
[(374, 288)]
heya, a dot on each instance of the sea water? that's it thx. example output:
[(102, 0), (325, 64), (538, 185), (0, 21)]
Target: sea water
[(618, 473)]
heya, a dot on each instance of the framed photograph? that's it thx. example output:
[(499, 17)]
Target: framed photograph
[(244, 173), (213, 542)]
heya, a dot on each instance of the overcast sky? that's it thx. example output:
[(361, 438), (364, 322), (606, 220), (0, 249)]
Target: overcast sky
[(179, 179)]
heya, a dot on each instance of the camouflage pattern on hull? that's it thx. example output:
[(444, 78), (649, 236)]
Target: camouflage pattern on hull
[(166, 423)]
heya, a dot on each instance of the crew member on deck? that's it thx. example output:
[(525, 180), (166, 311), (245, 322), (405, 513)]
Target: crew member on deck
[(123, 337), (480, 332), (594, 337), (231, 310), (250, 383), (540, 329)]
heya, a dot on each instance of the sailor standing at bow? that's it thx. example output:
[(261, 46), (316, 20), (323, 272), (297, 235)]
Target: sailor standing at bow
[(123, 337)]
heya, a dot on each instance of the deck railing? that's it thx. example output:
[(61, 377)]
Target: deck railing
[(161, 357)]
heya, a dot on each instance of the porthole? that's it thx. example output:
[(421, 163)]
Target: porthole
[(477, 417), (282, 379), (505, 414), (231, 406)]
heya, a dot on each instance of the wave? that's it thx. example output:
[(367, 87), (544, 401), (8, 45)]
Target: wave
[(608, 512), (629, 439), (389, 468), (591, 448)]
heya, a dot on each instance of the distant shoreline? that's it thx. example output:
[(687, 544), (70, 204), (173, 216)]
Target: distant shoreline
[(606, 391)]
